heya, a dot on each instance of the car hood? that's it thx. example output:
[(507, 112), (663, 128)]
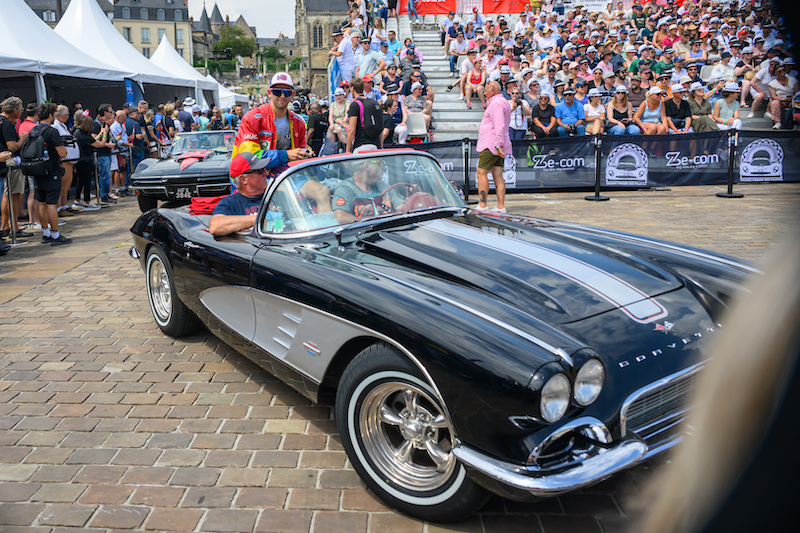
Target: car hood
[(171, 167), (537, 269)]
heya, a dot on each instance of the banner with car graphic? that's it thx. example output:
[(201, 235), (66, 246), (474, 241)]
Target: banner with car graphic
[(774, 156)]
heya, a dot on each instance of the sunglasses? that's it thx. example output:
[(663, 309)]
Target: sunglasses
[(281, 92)]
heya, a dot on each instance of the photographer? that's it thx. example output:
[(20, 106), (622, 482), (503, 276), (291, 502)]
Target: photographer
[(60, 124), (520, 111)]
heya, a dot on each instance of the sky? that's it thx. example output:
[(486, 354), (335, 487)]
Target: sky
[(270, 17)]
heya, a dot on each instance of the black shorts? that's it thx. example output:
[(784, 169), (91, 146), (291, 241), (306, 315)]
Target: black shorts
[(47, 189), (392, 4)]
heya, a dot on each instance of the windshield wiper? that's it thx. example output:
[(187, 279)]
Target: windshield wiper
[(392, 220)]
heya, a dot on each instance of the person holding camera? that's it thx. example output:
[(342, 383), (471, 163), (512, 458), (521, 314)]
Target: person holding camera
[(60, 124), (570, 115), (520, 111)]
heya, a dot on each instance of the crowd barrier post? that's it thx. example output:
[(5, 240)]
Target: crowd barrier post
[(733, 141), (465, 148), (12, 214), (99, 197), (598, 155)]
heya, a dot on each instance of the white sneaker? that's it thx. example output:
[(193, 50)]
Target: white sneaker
[(498, 210), (76, 206), (460, 96), (91, 207), (92, 196), (479, 209), (35, 226), (767, 114), (750, 115), (776, 126), (61, 222)]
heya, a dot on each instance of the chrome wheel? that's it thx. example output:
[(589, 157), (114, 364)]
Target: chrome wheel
[(158, 285), (407, 436)]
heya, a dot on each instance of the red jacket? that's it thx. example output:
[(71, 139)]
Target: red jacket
[(257, 131)]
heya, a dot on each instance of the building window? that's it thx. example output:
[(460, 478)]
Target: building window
[(49, 16), (180, 51), (179, 36), (145, 35), (291, 53), (161, 14), (161, 33), (318, 42), (126, 12), (146, 52), (178, 15), (144, 14), (126, 32)]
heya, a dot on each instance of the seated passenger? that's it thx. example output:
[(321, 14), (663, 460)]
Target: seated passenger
[(361, 196), (238, 211)]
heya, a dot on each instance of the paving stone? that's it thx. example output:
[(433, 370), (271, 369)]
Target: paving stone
[(224, 520), (200, 426), (322, 459), (278, 458), (17, 492), (119, 517), (80, 440), (152, 425), (340, 479), (569, 524), (108, 494), (272, 498), (174, 519), (51, 473), (157, 496), (314, 499), (285, 426), (195, 476), (61, 514), (208, 497), (59, 492), (331, 522), (169, 441), (91, 456), (362, 500), (181, 458), (227, 458), (126, 440), (42, 438), (99, 474), (280, 521), (390, 522), (136, 457), (215, 441), (291, 477), (258, 442), (19, 514), (470, 525), (17, 472)]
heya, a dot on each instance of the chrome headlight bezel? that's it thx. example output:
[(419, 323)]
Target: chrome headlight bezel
[(589, 382), (554, 398)]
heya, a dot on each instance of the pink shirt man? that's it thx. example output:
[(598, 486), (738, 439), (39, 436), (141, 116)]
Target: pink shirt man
[(493, 130)]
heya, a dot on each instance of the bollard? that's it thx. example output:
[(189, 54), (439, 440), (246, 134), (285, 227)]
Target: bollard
[(598, 153), (733, 141), (99, 197), (465, 148), (12, 229)]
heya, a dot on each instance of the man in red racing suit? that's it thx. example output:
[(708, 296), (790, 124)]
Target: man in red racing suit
[(273, 132)]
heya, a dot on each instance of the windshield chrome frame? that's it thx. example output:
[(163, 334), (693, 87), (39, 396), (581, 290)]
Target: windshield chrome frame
[(196, 134), (275, 183)]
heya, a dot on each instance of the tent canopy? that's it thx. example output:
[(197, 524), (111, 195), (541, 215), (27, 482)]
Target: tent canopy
[(168, 59), (228, 98), (86, 26), (29, 45)]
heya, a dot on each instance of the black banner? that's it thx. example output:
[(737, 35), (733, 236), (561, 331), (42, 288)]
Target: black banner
[(767, 156), (632, 160)]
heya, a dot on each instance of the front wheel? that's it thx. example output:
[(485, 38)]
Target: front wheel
[(171, 315), (397, 435)]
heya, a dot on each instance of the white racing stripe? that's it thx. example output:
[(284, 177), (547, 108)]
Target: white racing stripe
[(632, 301)]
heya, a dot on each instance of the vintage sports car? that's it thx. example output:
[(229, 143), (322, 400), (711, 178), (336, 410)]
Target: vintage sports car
[(465, 352), (198, 165)]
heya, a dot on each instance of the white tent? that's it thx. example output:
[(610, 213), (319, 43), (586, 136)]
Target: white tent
[(228, 98), (86, 26), (167, 58), (30, 46)]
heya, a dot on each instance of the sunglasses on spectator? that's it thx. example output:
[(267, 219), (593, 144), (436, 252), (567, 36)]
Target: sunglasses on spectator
[(282, 92)]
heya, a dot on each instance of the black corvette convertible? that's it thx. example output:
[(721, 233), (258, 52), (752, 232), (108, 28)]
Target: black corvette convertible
[(198, 165), (465, 352)]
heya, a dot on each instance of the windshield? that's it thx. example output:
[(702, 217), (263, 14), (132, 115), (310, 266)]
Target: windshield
[(218, 141), (342, 192)]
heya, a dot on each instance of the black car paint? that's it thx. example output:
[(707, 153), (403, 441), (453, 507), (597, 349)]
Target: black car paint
[(212, 175), (484, 389)]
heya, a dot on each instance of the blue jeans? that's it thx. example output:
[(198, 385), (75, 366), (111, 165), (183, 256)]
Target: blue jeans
[(453, 62), (412, 8), (104, 174), (631, 129), (136, 157), (516, 135), (691, 130), (562, 131)]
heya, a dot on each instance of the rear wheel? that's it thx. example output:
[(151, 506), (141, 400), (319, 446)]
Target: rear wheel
[(146, 203), (170, 314), (397, 435)]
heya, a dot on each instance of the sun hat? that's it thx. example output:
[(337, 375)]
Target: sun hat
[(695, 86), (621, 89), (677, 88), (654, 90), (731, 87), (593, 92)]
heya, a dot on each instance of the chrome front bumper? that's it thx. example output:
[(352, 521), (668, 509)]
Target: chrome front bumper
[(594, 465)]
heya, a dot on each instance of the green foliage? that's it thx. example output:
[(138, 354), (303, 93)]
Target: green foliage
[(233, 42), (295, 64), (271, 52), (221, 65)]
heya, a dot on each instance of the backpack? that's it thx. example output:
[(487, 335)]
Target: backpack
[(371, 117), (32, 155)]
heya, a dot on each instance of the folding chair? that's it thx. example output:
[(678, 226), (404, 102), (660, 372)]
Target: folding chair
[(416, 126), (705, 72)]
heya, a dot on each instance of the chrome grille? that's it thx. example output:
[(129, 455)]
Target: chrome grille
[(655, 412)]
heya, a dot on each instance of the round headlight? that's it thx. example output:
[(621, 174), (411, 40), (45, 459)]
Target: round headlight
[(589, 382), (555, 398)]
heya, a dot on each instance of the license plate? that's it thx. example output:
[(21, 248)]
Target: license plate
[(183, 192)]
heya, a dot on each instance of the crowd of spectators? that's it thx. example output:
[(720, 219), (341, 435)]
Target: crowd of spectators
[(95, 155), (658, 67)]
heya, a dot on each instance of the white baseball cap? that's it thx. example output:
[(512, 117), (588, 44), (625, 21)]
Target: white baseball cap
[(282, 79), (655, 90)]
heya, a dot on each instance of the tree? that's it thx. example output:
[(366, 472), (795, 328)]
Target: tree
[(272, 52), (295, 64), (234, 38)]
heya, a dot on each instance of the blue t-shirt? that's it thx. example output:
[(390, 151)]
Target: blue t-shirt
[(237, 204), (570, 114), (284, 141)]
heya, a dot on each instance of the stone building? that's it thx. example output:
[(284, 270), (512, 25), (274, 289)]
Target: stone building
[(144, 22), (314, 22), (206, 33), (46, 9)]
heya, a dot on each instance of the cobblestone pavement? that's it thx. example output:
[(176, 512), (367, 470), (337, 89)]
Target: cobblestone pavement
[(107, 424)]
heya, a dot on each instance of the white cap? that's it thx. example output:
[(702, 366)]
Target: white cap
[(654, 90), (731, 87), (196, 108), (695, 86), (677, 88), (338, 90), (621, 89), (416, 85), (593, 92), (282, 78), (591, 49)]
